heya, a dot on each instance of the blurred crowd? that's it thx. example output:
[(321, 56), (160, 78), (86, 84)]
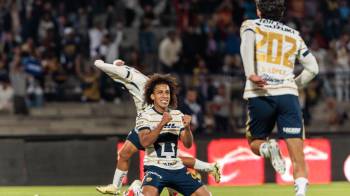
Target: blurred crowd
[(47, 49)]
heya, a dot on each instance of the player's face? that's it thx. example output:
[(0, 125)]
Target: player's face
[(161, 96)]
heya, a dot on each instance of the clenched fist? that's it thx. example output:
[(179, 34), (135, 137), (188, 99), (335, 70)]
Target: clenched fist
[(166, 118)]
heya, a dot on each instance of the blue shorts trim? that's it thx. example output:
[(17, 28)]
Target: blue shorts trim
[(265, 112), (181, 180), (133, 137)]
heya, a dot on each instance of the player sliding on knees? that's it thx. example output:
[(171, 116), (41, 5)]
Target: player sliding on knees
[(159, 128), (134, 81)]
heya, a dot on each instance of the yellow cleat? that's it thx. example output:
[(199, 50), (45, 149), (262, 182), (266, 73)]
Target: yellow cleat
[(216, 173), (109, 189)]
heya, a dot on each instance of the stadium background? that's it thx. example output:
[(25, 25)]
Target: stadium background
[(61, 120)]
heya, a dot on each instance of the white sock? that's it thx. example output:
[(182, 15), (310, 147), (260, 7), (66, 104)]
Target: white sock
[(118, 178), (301, 186), (264, 150), (202, 166)]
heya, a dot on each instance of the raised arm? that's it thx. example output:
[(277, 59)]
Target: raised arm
[(115, 71), (186, 135)]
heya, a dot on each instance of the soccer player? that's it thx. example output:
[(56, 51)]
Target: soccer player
[(134, 81), (159, 129), (269, 50)]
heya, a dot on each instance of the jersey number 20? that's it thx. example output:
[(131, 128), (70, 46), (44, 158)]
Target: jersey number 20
[(270, 38)]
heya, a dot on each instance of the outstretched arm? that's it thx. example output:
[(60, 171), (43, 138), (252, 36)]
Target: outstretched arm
[(115, 71)]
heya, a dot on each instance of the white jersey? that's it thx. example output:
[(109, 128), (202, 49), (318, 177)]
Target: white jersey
[(277, 46), (163, 152), (132, 79)]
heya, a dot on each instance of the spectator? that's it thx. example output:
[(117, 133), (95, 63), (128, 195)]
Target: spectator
[(191, 107), (6, 96), (90, 82), (222, 106), (169, 52), (18, 80)]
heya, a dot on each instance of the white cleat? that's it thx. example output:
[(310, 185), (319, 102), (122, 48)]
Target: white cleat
[(276, 158), (134, 189), (109, 189), (216, 173)]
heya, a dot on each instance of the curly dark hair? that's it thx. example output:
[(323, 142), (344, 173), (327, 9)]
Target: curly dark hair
[(271, 9), (156, 79)]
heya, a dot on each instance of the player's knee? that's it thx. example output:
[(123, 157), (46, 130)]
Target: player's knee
[(124, 154), (202, 191)]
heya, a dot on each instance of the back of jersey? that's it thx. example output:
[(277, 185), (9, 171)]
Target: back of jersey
[(277, 46)]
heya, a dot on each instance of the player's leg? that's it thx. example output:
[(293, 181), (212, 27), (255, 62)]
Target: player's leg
[(130, 147), (202, 191), (154, 181), (150, 191), (186, 183), (260, 122), (295, 149), (212, 168), (290, 127)]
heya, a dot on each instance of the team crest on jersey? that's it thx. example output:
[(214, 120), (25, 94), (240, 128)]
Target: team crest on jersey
[(148, 179)]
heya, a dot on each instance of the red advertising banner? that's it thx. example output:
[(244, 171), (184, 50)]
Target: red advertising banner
[(239, 165), (119, 147), (182, 151), (318, 158)]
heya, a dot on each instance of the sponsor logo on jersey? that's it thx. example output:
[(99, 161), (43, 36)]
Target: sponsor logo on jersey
[(171, 126)]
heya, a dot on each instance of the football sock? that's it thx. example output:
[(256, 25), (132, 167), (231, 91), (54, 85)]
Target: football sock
[(300, 185), (118, 177), (203, 166), (264, 150)]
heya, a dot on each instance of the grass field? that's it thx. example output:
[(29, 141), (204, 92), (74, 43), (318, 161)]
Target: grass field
[(334, 189)]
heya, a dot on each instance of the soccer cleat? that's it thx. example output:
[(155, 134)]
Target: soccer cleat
[(109, 189), (216, 173), (276, 158), (134, 189)]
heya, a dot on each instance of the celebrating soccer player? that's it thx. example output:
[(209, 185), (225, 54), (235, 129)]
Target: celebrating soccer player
[(269, 50), (134, 81)]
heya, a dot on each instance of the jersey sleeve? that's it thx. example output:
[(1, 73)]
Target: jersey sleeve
[(247, 25), (142, 122), (303, 50)]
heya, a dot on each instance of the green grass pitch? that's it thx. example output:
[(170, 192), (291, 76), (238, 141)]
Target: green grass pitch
[(334, 189)]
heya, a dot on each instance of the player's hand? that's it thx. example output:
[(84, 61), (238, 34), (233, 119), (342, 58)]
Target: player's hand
[(186, 120), (166, 118), (118, 62), (259, 81)]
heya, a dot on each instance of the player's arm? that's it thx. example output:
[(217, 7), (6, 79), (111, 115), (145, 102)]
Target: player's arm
[(148, 136), (247, 53), (115, 71), (186, 135), (310, 66)]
